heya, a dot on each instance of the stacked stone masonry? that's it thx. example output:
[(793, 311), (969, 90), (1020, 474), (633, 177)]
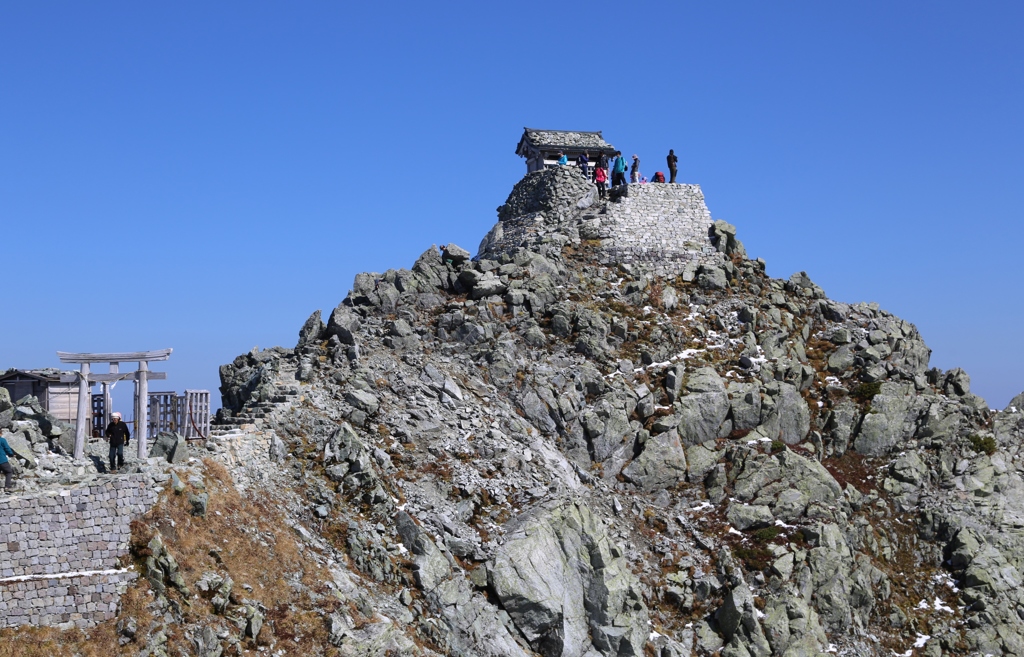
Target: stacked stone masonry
[(59, 557), (663, 227)]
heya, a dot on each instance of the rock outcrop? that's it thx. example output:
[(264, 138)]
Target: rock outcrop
[(611, 433)]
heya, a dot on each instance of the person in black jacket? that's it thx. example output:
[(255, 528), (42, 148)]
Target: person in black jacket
[(117, 434), (673, 162)]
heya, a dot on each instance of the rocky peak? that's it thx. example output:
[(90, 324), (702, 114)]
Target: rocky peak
[(611, 433)]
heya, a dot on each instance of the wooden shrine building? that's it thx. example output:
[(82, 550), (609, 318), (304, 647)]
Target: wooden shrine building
[(540, 148), (58, 398)]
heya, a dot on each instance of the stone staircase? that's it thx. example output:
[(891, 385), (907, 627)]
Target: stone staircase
[(256, 415)]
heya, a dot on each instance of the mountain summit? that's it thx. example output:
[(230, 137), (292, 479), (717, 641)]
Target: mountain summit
[(610, 433)]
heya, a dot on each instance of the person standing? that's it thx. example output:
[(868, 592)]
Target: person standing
[(5, 465), (618, 169), (583, 162), (634, 171), (673, 162), (600, 177), (562, 159), (118, 436), (602, 163)]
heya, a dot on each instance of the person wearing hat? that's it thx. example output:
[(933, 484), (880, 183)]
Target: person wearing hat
[(117, 435)]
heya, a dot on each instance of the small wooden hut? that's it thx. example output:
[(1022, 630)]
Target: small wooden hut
[(59, 398), (540, 148)]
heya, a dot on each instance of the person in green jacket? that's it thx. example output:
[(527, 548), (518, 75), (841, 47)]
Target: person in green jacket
[(5, 465)]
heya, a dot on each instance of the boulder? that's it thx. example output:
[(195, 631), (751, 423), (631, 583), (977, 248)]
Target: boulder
[(749, 516), (567, 588), (311, 331), (662, 464), (22, 447), (430, 567), (713, 278), (702, 412), (343, 323), (171, 446), (745, 405), (454, 254), (363, 401), (887, 422), (786, 417)]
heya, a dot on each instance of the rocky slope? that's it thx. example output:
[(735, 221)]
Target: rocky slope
[(550, 453), (543, 454)]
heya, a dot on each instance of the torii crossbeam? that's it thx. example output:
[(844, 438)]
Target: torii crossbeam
[(86, 379)]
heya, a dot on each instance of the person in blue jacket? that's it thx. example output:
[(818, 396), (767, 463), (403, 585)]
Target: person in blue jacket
[(5, 465), (562, 159)]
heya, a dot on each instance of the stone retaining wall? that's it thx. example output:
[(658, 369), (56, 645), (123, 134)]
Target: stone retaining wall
[(81, 600), (60, 550), (663, 227)]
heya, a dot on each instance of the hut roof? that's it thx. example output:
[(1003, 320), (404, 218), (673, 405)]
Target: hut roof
[(570, 140)]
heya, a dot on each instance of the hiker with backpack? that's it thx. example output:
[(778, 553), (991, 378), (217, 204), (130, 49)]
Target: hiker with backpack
[(618, 169)]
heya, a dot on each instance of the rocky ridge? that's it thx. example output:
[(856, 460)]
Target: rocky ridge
[(589, 459), (548, 452)]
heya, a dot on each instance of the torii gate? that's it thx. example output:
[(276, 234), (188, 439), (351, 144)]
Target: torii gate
[(85, 380)]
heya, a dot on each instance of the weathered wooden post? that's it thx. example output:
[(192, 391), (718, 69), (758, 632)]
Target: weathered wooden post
[(81, 424), (142, 400), (142, 377), (114, 369)]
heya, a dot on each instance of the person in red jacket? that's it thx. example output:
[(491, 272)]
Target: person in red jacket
[(600, 177)]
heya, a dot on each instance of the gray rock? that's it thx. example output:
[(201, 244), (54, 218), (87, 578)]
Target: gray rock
[(749, 516), (22, 448), (700, 459), (713, 278), (567, 588), (702, 413), (841, 359), (787, 417), (745, 404), (199, 503), (662, 464), (430, 565), (311, 331), (887, 422), (362, 400), (343, 323), (455, 254), (910, 469), (171, 446)]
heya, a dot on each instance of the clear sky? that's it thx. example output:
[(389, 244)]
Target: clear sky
[(204, 175)]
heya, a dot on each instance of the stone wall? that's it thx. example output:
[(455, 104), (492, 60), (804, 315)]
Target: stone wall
[(60, 551), (666, 228), (662, 226)]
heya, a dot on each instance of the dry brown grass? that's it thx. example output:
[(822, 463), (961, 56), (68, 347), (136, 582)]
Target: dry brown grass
[(245, 537)]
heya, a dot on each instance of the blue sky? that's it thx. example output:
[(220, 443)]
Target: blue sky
[(203, 176)]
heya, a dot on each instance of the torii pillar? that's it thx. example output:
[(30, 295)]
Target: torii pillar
[(86, 379)]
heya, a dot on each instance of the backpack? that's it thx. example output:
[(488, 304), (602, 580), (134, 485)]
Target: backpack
[(658, 177)]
